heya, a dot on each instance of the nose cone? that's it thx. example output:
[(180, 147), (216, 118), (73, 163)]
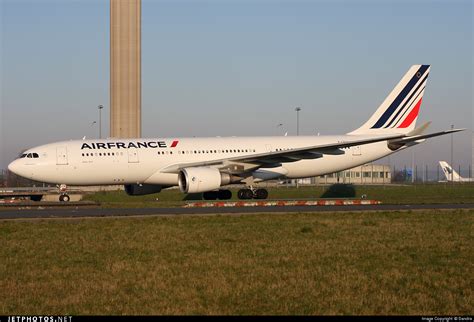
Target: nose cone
[(14, 167), (18, 168)]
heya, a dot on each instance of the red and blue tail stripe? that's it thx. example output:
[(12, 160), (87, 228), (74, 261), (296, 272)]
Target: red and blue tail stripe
[(396, 111)]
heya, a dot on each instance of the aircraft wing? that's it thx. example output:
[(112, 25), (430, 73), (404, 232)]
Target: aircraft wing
[(243, 163)]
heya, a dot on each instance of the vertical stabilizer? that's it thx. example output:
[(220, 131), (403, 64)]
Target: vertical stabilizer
[(399, 111), (450, 174)]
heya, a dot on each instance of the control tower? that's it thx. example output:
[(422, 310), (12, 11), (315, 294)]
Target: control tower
[(125, 68)]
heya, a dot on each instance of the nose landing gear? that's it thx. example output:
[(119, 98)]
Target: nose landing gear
[(63, 196)]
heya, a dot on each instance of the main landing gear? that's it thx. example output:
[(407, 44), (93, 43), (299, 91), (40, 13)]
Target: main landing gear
[(63, 196), (220, 194), (243, 194), (252, 194)]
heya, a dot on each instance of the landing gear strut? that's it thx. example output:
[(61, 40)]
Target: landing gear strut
[(252, 194), (220, 194)]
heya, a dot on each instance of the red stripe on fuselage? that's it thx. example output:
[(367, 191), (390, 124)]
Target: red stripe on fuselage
[(174, 144), (412, 116)]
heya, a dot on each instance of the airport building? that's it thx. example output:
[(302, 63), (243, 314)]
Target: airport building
[(365, 174)]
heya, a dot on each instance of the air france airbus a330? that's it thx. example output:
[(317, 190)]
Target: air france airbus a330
[(205, 165)]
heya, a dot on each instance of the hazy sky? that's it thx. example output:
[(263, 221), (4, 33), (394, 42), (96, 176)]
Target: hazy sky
[(237, 68)]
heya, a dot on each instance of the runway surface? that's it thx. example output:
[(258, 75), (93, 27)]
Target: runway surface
[(99, 212)]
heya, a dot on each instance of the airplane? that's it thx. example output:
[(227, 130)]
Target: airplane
[(451, 175), (206, 165)]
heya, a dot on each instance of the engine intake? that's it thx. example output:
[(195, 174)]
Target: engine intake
[(201, 179)]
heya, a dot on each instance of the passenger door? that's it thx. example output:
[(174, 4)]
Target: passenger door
[(133, 155), (356, 150)]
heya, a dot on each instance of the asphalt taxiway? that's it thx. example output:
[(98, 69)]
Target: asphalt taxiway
[(38, 212)]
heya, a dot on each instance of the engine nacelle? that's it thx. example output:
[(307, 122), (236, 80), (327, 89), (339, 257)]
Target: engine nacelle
[(142, 189), (201, 179)]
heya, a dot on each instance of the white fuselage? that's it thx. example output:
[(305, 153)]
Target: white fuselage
[(123, 161)]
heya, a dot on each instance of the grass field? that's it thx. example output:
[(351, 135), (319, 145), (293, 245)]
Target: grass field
[(325, 263), (389, 194)]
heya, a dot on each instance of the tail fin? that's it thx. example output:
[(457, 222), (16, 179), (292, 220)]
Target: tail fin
[(451, 175), (399, 111)]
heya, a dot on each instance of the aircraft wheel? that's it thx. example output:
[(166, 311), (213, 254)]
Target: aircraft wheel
[(261, 194), (64, 198), (224, 194), (210, 195), (245, 194)]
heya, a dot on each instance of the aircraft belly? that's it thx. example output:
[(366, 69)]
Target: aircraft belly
[(97, 174)]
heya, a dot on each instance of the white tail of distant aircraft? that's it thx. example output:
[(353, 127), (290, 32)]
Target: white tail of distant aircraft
[(206, 164), (451, 175)]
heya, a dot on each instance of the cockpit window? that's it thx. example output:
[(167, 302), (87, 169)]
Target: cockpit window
[(29, 155)]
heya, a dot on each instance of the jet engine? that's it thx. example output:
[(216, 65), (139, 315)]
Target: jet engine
[(142, 189), (201, 179)]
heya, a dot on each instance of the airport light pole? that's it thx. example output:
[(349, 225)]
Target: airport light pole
[(100, 107), (278, 126), (452, 149), (298, 109)]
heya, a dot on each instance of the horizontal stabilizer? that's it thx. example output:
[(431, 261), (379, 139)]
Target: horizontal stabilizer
[(415, 138)]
